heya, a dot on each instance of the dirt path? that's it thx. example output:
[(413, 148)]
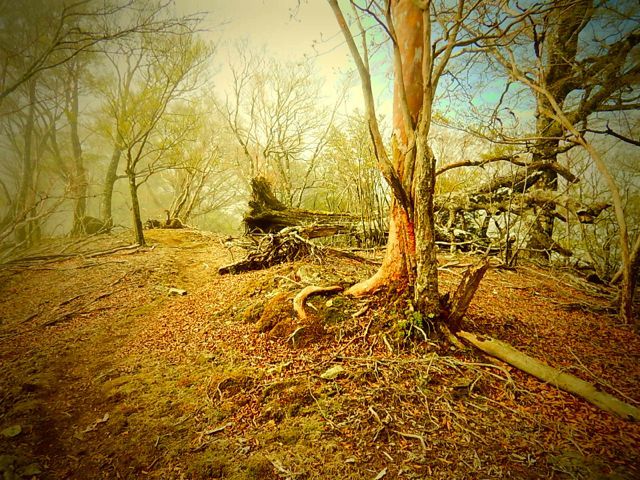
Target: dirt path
[(129, 381), (53, 376)]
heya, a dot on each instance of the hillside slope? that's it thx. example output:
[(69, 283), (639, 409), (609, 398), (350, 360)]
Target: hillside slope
[(108, 373)]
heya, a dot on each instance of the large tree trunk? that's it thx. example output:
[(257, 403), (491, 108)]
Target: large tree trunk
[(559, 51), (419, 63), (399, 264), (545, 151), (426, 296), (410, 257), (393, 270)]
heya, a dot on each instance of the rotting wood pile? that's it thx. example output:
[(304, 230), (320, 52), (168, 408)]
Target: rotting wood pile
[(281, 234)]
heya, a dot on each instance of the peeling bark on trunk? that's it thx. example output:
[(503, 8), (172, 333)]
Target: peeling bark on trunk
[(426, 296), (411, 248), (393, 270)]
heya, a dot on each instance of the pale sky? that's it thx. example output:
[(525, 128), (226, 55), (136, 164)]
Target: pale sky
[(312, 32), (270, 23)]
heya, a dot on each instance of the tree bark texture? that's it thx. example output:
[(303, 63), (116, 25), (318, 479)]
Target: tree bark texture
[(268, 215), (24, 202), (79, 184), (464, 294), (411, 248), (558, 52)]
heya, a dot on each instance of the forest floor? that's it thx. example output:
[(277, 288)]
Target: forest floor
[(107, 374)]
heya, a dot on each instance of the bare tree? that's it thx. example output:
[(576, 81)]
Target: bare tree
[(350, 182), (576, 77), (150, 128), (41, 35), (204, 181), (58, 38), (26, 195), (273, 112)]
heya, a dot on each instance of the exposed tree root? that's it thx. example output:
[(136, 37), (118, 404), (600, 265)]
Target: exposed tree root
[(301, 297), (555, 377), (388, 274), (453, 340), (285, 246), (77, 311), (368, 286), (290, 244)]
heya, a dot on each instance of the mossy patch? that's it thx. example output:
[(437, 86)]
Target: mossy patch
[(276, 310), (211, 463), (230, 381), (257, 466), (294, 430), (253, 312)]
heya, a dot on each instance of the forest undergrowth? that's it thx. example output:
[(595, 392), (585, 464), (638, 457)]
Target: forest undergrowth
[(146, 363)]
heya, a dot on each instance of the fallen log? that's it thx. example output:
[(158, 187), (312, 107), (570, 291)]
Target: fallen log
[(267, 214), (287, 245), (508, 200), (555, 377), (457, 215)]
